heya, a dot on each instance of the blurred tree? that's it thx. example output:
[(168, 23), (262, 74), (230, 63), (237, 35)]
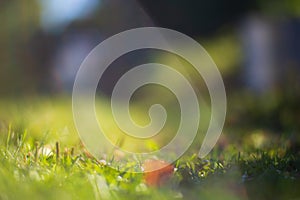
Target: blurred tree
[(20, 19)]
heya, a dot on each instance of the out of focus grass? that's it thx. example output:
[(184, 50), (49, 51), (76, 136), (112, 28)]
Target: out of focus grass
[(42, 158)]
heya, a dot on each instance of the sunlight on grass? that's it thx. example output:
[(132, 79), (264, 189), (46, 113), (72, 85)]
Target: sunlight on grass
[(42, 157)]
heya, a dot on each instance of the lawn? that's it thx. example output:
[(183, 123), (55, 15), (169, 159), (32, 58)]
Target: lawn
[(43, 158)]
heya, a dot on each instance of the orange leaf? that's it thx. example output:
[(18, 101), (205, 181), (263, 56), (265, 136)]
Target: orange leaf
[(157, 172)]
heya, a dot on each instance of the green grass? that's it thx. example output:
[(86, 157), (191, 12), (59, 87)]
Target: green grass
[(42, 158)]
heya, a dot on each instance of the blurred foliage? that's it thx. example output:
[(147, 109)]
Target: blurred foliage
[(225, 50), (23, 67), (280, 8)]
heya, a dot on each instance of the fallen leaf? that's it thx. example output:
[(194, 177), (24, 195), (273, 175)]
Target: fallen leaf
[(157, 172)]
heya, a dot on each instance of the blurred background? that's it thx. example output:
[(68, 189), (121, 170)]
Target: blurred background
[(255, 44)]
